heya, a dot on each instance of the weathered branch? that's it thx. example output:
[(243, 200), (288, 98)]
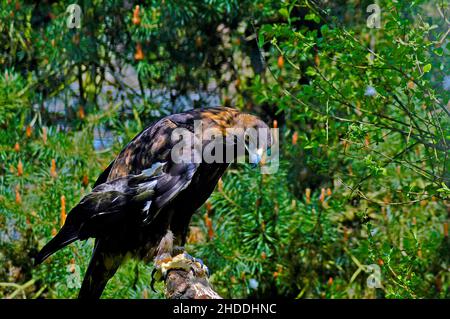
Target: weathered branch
[(185, 277), (188, 284)]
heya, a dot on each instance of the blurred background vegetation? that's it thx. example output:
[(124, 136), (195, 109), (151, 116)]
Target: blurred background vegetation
[(363, 186)]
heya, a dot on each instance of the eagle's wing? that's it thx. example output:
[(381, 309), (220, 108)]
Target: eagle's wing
[(152, 145), (105, 208), (141, 181), (143, 176), (168, 186)]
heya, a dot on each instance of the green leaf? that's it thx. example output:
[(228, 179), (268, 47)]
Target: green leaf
[(260, 39), (324, 28), (284, 12), (312, 17), (439, 51), (310, 71), (427, 68)]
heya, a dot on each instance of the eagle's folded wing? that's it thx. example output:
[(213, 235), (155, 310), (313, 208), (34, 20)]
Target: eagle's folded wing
[(142, 180), (147, 193), (169, 185)]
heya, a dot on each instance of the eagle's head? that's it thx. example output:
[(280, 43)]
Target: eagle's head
[(255, 135)]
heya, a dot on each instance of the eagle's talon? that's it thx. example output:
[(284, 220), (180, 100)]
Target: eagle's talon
[(189, 257), (203, 267), (206, 270), (152, 282)]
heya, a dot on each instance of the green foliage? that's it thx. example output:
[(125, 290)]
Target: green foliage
[(364, 135), (14, 97), (320, 248)]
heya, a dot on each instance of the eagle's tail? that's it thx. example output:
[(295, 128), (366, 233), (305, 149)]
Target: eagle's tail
[(102, 267), (65, 236)]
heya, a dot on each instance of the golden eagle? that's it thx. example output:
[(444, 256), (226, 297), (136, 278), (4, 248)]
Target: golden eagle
[(144, 193)]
